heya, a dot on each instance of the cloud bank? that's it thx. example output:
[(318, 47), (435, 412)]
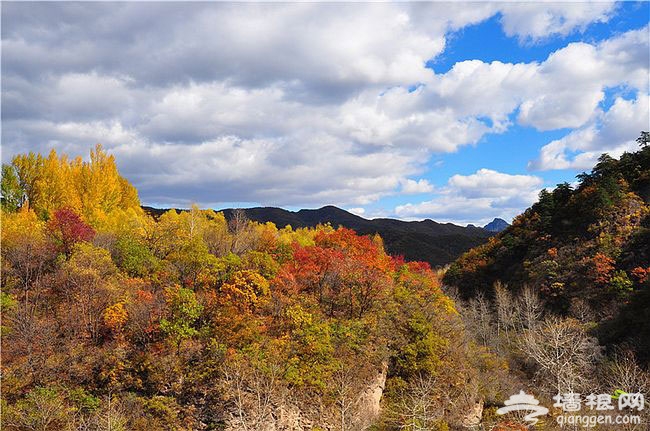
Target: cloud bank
[(310, 104)]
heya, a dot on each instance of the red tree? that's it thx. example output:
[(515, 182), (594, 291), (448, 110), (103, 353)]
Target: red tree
[(346, 272), (67, 228)]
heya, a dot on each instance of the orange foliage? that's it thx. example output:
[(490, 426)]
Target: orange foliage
[(246, 290), (603, 266), (641, 274), (348, 273), (144, 296), (115, 317), (510, 426)]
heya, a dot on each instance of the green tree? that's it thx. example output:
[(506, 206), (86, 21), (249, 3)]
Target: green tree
[(7, 304), (183, 310), (13, 195), (134, 257)]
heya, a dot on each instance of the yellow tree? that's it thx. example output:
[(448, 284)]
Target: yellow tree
[(25, 251), (100, 187), (94, 189), (91, 282), (55, 186)]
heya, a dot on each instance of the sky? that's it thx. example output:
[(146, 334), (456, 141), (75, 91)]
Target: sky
[(459, 112)]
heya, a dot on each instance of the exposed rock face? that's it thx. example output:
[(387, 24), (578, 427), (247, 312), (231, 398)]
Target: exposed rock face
[(370, 399), (281, 413), (290, 418), (474, 416)]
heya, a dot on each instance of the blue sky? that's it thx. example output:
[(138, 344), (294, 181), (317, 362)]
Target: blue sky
[(457, 112), (511, 151)]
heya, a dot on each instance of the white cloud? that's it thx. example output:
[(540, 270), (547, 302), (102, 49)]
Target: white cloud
[(613, 132), (477, 198), (411, 187), (627, 58), (562, 92), (268, 171), (490, 183), (332, 46), (537, 20), (476, 89), (357, 211), (570, 83), (282, 104), (399, 118)]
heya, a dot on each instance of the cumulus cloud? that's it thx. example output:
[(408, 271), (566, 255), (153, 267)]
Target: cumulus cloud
[(538, 20), (291, 104), (319, 46), (489, 183), (612, 132), (449, 110), (571, 82), (231, 169), (410, 187), (477, 198)]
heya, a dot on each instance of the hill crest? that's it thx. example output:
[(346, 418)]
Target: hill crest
[(426, 240)]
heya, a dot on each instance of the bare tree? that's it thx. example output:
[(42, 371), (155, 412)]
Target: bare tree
[(259, 400), (419, 408), (530, 307), (563, 352), (31, 335), (358, 386), (243, 233), (347, 396), (505, 309), (24, 264), (479, 320), (111, 416), (581, 310), (43, 409), (624, 373), (251, 396)]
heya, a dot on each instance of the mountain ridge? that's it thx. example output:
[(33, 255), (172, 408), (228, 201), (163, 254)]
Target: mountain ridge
[(427, 240)]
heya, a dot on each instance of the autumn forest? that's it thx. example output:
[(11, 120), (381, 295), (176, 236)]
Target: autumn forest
[(117, 319)]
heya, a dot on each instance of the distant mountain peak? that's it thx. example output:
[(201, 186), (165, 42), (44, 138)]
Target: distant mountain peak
[(496, 225)]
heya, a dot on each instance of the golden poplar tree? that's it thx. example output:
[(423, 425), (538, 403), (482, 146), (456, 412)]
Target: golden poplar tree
[(93, 189)]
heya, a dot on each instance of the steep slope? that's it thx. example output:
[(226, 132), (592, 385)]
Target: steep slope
[(585, 249), (427, 240)]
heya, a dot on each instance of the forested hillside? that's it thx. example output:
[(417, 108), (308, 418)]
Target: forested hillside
[(563, 295), (114, 320), (585, 249), (436, 243)]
